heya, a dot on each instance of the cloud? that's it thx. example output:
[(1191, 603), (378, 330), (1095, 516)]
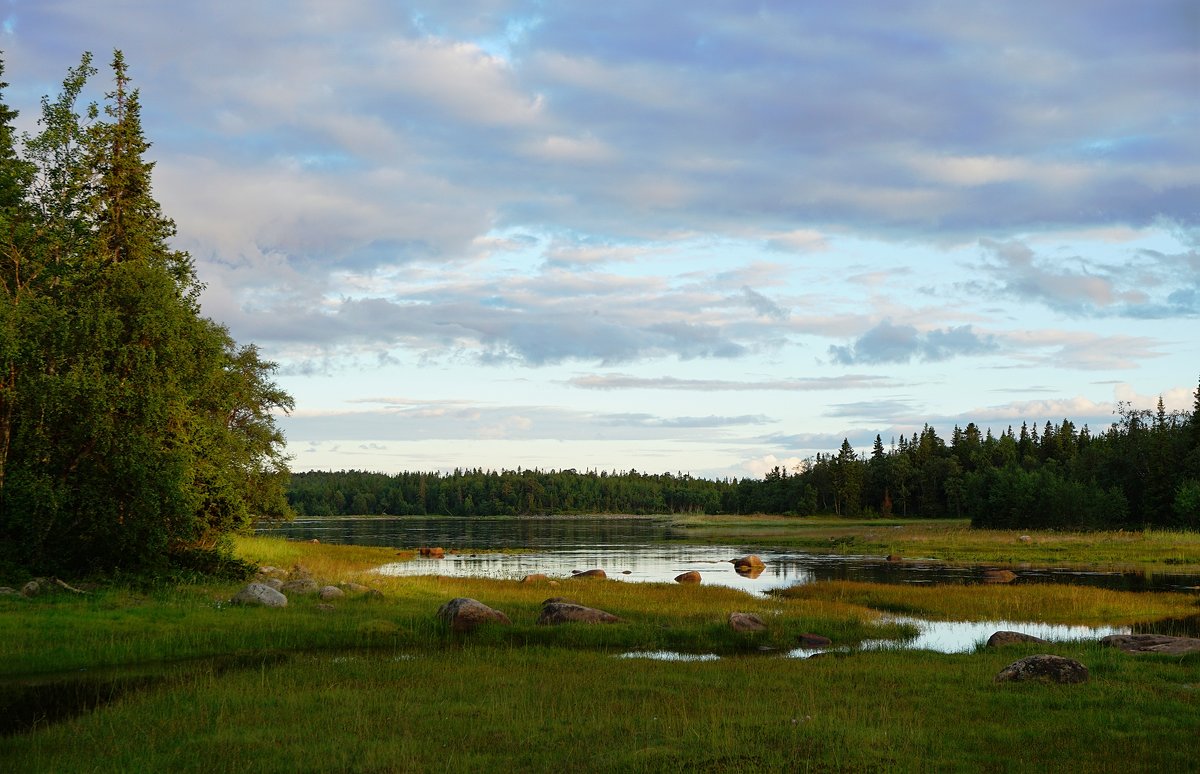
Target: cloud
[(889, 343), (626, 382)]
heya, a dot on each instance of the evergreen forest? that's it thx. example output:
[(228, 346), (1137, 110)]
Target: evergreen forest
[(135, 434), (1144, 470)]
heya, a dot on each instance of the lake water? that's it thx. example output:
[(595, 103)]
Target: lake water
[(648, 550)]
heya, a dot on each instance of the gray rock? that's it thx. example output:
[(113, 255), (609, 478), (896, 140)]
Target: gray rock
[(552, 600), (813, 641), (259, 594), (356, 588), (1044, 668), (1152, 643), (300, 586), (463, 614), (330, 592), (565, 612), (999, 639), (746, 622), (691, 576), (32, 589), (274, 583)]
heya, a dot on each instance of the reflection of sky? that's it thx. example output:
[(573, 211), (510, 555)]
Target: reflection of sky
[(963, 636)]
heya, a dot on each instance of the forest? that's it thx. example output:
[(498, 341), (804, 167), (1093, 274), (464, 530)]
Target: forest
[(1144, 470)]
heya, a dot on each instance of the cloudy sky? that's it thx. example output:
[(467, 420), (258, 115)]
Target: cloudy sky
[(681, 236)]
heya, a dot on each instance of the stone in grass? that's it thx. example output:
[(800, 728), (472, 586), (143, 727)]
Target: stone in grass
[(597, 573), (1152, 643), (463, 614), (746, 622), (330, 592), (300, 586), (999, 639), (274, 583), (813, 641), (259, 594), (691, 576), (564, 612), (534, 577), (1044, 668)]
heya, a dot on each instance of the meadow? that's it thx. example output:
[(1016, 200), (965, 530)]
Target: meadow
[(175, 678)]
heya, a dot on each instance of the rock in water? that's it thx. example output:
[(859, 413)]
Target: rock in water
[(463, 614), (691, 576), (565, 612), (259, 594), (1044, 668), (748, 561), (1152, 643), (813, 641), (597, 573), (1010, 638), (999, 576), (746, 622)]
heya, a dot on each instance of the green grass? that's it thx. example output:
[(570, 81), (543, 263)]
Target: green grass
[(376, 684)]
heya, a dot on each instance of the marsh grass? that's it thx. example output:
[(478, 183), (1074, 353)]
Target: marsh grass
[(1046, 603), (550, 709), (953, 540), (377, 684)]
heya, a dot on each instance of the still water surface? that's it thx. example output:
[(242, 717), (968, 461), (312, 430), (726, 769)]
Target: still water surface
[(648, 550)]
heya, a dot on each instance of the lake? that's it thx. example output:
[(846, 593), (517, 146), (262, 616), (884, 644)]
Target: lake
[(649, 550)]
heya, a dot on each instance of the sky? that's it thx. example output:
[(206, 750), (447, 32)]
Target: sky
[(700, 237)]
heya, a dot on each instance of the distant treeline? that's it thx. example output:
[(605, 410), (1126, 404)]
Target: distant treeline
[(1144, 470)]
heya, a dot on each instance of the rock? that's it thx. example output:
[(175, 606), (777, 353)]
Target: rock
[(691, 576), (1000, 639), (565, 612), (552, 600), (552, 583), (5, 591), (1044, 668), (627, 572), (748, 561), (462, 614), (274, 583), (597, 573), (813, 641), (269, 570), (1152, 643), (746, 622), (32, 589), (300, 586), (895, 558), (534, 577), (999, 576), (1025, 539), (356, 588), (747, 571), (432, 553), (330, 592), (314, 540), (259, 594)]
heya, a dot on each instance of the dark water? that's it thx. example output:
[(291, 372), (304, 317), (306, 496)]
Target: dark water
[(646, 549)]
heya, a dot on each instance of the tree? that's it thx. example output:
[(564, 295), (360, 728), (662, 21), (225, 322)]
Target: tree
[(136, 431)]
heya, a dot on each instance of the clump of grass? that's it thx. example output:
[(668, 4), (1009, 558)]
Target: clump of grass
[(1048, 603)]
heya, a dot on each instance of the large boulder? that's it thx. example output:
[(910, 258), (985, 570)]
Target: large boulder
[(1044, 668), (463, 614), (751, 560), (1002, 638), (691, 576), (565, 612), (597, 573), (259, 594), (1152, 643), (746, 622)]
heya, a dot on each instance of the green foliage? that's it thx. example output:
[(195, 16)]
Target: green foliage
[(133, 431)]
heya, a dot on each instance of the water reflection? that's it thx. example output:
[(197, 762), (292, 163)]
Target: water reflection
[(642, 550), (670, 655)]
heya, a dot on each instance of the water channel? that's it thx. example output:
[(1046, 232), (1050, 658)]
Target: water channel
[(649, 550)]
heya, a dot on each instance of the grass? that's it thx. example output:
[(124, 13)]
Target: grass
[(376, 684), (953, 540)]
